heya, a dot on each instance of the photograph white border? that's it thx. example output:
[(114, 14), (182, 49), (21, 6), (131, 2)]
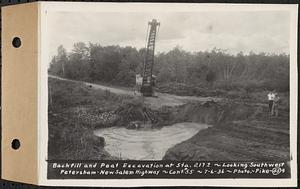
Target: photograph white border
[(46, 7)]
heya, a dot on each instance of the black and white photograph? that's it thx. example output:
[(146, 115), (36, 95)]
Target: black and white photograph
[(205, 85)]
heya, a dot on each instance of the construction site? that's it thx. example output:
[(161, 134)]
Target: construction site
[(89, 120)]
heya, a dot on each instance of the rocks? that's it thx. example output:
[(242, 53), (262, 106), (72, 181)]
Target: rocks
[(134, 125), (140, 125), (96, 117)]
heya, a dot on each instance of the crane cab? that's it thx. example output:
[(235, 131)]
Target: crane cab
[(145, 87)]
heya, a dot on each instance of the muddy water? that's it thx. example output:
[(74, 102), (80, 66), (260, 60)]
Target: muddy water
[(148, 144)]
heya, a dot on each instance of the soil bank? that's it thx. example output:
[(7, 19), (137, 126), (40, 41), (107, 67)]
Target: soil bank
[(243, 132)]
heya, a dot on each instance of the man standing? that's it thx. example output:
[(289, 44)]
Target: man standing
[(275, 105), (271, 97)]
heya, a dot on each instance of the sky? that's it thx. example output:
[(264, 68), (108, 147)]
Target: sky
[(256, 31)]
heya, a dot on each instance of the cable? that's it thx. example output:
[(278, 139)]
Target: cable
[(147, 37)]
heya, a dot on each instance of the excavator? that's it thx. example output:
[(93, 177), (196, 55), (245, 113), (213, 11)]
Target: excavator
[(146, 81)]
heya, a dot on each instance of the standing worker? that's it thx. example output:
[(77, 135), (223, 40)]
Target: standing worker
[(275, 105), (271, 97)]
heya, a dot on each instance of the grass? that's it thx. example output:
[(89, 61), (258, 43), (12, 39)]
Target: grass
[(70, 137), (237, 93), (69, 94)]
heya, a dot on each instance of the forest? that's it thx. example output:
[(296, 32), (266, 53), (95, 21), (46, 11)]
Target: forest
[(215, 69)]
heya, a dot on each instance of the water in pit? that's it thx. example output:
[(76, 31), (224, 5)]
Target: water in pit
[(146, 144)]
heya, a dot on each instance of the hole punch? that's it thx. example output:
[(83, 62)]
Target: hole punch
[(16, 42), (15, 144)]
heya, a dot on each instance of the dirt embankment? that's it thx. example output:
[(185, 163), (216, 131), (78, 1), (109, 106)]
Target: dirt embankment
[(241, 132)]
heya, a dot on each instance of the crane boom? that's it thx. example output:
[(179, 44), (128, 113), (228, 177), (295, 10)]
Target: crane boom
[(148, 80)]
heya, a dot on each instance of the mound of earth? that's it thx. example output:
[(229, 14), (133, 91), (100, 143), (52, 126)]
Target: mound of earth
[(241, 132)]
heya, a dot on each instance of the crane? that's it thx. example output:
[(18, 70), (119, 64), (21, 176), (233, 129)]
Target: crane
[(147, 80)]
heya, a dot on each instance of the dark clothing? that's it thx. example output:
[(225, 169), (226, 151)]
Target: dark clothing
[(271, 105)]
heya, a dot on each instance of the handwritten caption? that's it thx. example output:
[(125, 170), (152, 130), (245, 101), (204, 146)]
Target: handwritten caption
[(157, 169)]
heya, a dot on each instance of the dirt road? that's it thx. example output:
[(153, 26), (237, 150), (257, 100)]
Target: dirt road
[(162, 99)]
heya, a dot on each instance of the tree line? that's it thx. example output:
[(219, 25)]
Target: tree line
[(212, 69)]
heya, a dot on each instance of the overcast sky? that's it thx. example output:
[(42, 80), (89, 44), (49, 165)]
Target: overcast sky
[(259, 31)]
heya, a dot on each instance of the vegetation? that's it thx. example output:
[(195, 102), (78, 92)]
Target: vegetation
[(74, 111), (211, 70), (68, 94)]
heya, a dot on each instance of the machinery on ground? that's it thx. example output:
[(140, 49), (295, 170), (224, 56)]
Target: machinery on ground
[(146, 81)]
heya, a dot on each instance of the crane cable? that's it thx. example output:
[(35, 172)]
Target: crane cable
[(157, 32), (146, 37)]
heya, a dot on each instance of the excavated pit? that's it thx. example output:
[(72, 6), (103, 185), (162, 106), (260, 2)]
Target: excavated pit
[(239, 131)]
